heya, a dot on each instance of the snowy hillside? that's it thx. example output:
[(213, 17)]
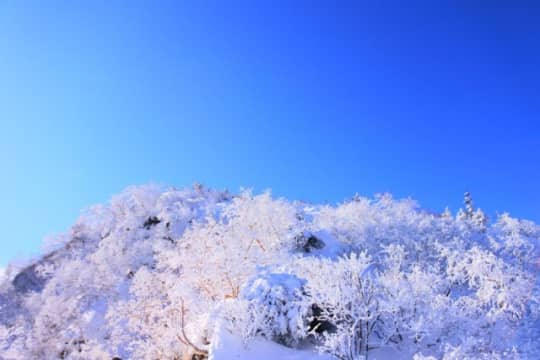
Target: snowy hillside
[(197, 273)]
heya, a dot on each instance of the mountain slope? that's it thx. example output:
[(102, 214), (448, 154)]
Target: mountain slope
[(170, 274)]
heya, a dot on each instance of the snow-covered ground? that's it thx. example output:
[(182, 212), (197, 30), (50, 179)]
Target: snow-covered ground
[(227, 346), (162, 273), (230, 347)]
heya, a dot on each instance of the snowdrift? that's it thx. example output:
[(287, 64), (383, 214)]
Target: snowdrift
[(161, 273)]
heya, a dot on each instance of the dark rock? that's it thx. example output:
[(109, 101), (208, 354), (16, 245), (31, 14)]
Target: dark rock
[(151, 221), (308, 242), (28, 280)]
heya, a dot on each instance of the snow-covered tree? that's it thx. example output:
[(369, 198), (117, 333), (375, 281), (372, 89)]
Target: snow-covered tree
[(152, 273)]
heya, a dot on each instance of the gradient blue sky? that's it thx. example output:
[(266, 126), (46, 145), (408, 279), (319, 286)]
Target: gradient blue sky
[(315, 100)]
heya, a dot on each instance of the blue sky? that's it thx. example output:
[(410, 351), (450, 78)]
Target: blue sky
[(315, 100)]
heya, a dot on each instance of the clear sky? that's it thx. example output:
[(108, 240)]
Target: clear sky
[(314, 100)]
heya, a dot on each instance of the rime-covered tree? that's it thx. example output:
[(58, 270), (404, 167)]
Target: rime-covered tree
[(153, 273)]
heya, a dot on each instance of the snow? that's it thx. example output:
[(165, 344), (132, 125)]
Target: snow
[(227, 346), (3, 274), (168, 273)]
